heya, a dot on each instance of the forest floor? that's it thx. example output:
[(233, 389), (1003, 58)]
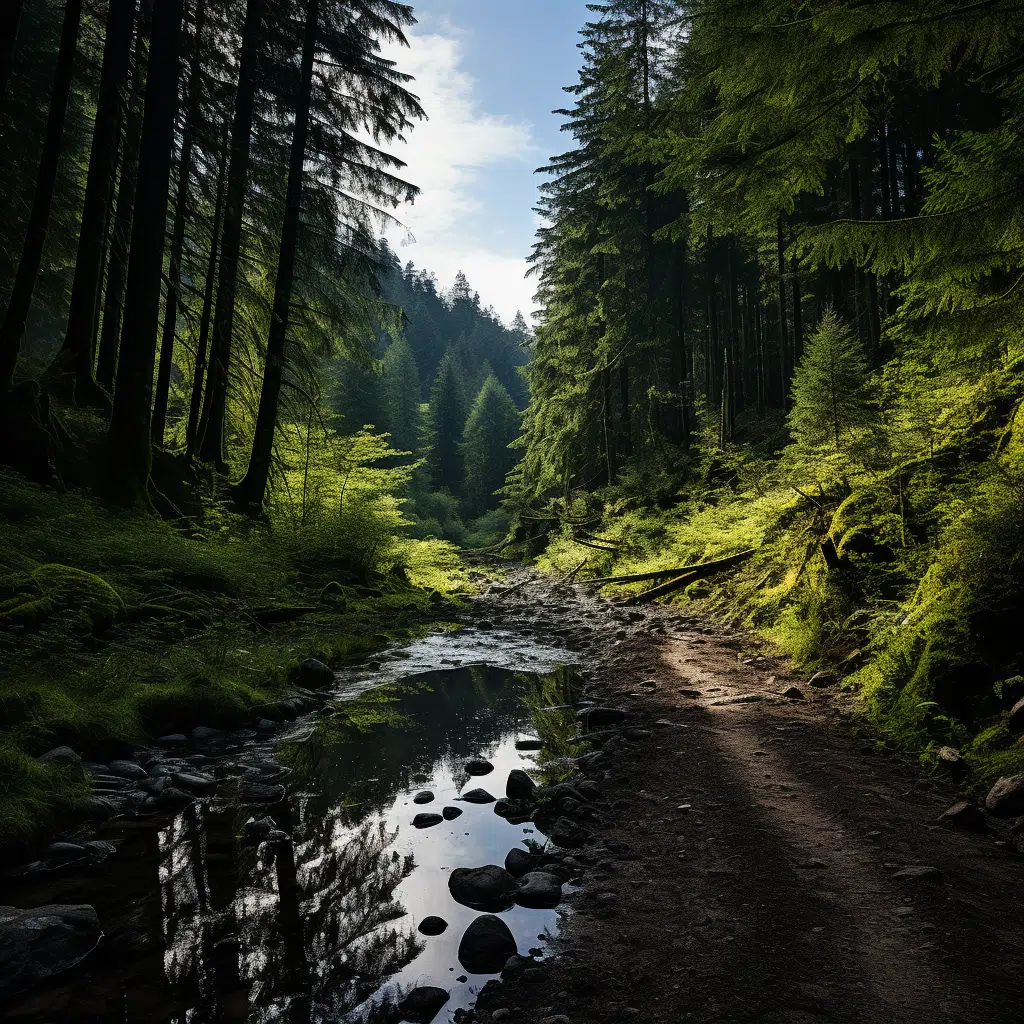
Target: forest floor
[(750, 864)]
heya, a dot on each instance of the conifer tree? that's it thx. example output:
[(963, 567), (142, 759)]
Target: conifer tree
[(493, 424), (445, 424), (400, 396)]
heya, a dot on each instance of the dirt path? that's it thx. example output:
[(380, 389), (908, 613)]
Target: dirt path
[(746, 869)]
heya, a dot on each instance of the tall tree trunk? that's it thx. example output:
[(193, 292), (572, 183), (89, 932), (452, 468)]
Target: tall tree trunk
[(192, 110), (798, 315), (211, 426), (251, 488), (131, 416), (784, 369), (10, 21), (117, 268), (202, 345), (20, 301), (72, 371)]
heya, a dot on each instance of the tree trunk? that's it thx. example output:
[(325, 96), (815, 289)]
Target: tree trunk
[(131, 417), (72, 370), (798, 315), (10, 20), (163, 377), (117, 268), (783, 322), (13, 329), (192, 430), (211, 426), (251, 488)]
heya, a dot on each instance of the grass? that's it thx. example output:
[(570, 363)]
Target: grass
[(116, 628)]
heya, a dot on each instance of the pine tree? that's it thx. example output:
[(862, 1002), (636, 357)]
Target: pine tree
[(493, 424), (829, 398), (400, 397), (445, 424)]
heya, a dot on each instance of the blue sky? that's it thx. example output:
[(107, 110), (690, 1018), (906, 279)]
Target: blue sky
[(489, 73)]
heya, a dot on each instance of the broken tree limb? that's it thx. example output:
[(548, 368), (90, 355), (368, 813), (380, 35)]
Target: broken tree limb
[(698, 572), (702, 569)]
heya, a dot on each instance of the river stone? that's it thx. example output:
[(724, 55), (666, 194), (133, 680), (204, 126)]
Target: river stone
[(173, 798), (539, 889), (66, 758), (423, 797), (99, 808), (518, 862), (568, 833), (519, 786), (478, 766), (425, 819), (1006, 798), (257, 792), (477, 796), (195, 782), (99, 850), (127, 770), (37, 944), (423, 1004), (451, 813), (503, 808), (433, 925), (966, 816), (529, 743), (601, 717), (486, 888), (486, 945), (315, 675), (205, 734), (65, 852)]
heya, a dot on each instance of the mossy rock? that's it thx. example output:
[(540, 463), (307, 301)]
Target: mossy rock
[(64, 588)]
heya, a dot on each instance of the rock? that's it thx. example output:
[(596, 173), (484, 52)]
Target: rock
[(919, 873), (315, 675), (65, 758), (101, 807), (502, 1013), (518, 862), (423, 1004), (99, 851), (39, 943), (601, 717), (423, 797), (966, 816), (503, 808), (195, 783), (173, 798), (173, 739), (265, 725), (451, 813), (514, 967), (485, 888), (127, 770), (823, 679), (65, 853), (433, 925), (478, 766), (155, 786), (590, 791), (259, 793), (425, 819), (204, 734), (539, 889), (1015, 721), (794, 693), (486, 945), (519, 785), (529, 743), (568, 833), (1006, 798), (477, 796)]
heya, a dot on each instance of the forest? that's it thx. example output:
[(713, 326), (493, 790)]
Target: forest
[(780, 275)]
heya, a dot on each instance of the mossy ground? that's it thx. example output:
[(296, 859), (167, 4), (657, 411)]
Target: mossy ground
[(116, 627)]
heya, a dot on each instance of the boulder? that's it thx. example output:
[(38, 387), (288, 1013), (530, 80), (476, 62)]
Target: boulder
[(433, 925), (99, 851), (451, 813), (426, 819), (315, 675), (65, 853), (519, 785), (503, 808), (514, 967), (966, 816), (485, 888), (423, 1004), (424, 796), (477, 796), (600, 717), (194, 782), (39, 943), (478, 766), (539, 889), (127, 770), (486, 945), (205, 734), (65, 758), (518, 862), (1006, 798), (1015, 722)]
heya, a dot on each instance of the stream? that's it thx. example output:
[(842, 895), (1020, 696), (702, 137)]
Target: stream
[(208, 918)]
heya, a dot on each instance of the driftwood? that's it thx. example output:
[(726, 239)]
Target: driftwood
[(702, 569), (696, 572)]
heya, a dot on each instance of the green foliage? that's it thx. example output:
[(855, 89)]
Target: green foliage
[(492, 425), (445, 423), (400, 397)]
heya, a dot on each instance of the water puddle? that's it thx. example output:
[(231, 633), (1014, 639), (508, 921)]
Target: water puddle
[(203, 926)]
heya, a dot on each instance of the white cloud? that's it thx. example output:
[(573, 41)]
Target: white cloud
[(448, 228)]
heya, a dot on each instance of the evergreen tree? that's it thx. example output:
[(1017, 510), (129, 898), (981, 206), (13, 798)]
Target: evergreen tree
[(400, 397), (445, 423), (493, 424)]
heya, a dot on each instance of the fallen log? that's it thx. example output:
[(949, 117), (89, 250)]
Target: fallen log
[(704, 568), (696, 572)]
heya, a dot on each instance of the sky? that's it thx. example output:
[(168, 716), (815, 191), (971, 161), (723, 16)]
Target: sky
[(488, 73)]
